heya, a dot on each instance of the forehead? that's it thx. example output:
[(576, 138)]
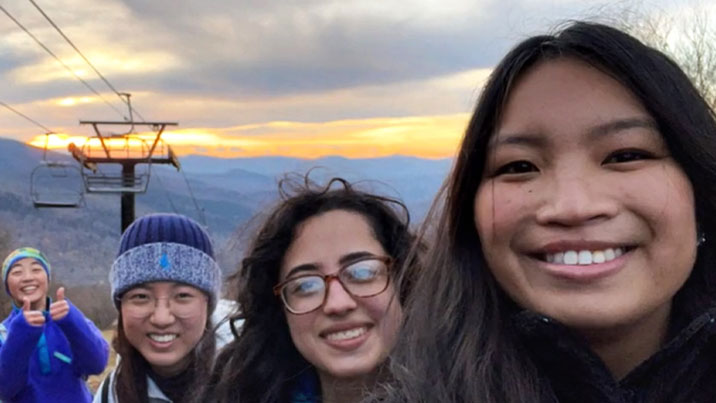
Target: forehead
[(325, 238), (566, 95)]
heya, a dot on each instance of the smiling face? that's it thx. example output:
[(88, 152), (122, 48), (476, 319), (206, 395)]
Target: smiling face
[(583, 214), (27, 279), (164, 321), (347, 337)]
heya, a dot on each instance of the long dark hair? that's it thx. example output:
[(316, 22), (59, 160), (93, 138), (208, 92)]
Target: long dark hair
[(456, 344), (130, 382), (262, 364)]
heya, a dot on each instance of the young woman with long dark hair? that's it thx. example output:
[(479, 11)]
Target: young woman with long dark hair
[(571, 259), (317, 298), (165, 284)]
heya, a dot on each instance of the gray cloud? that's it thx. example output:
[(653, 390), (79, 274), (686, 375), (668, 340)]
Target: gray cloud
[(249, 50)]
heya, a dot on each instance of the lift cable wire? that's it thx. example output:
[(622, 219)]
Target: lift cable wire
[(166, 193), (36, 123), (29, 119), (196, 204), (60, 61), (85, 59)]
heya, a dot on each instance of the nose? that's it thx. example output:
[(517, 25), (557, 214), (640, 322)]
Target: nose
[(338, 300), (576, 197), (162, 314)]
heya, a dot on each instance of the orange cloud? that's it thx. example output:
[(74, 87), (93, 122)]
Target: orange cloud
[(424, 136)]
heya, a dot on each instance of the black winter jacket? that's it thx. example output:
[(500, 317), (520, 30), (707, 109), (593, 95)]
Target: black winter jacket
[(684, 371)]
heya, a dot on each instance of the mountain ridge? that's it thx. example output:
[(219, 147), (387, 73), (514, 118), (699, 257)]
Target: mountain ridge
[(227, 192)]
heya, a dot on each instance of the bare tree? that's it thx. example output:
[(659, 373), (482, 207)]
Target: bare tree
[(688, 38), (5, 242)]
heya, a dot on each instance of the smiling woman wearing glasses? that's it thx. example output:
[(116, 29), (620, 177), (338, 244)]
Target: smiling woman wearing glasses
[(165, 283), (320, 309)]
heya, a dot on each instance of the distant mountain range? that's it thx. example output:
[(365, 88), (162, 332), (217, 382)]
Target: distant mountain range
[(81, 243)]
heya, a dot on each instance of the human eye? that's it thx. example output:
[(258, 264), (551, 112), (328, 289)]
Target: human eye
[(138, 298), (305, 286), (185, 296), (36, 269), (627, 155), (363, 271), (515, 168)]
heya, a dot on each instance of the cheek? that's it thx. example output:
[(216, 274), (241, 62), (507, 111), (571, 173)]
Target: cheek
[(132, 329), (387, 312), (496, 209), (12, 285), (665, 201), (195, 326), (300, 328)]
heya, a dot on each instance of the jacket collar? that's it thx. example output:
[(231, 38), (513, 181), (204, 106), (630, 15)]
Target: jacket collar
[(564, 358)]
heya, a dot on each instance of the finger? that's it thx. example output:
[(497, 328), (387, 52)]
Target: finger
[(39, 320), (59, 315), (61, 294), (59, 310), (34, 318), (25, 304)]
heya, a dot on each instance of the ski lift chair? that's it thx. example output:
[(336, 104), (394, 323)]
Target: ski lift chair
[(56, 184)]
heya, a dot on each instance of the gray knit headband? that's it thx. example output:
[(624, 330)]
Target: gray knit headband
[(165, 261)]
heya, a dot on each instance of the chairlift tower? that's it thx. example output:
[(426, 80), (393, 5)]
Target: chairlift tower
[(119, 149)]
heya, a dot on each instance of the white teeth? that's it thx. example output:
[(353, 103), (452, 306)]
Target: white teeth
[(558, 257), (584, 257), (162, 338), (346, 334), (29, 288), (599, 257), (571, 257)]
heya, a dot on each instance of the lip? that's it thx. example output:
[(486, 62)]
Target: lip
[(584, 273), (348, 344)]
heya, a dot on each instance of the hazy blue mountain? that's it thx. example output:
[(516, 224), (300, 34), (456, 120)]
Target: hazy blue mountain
[(227, 193)]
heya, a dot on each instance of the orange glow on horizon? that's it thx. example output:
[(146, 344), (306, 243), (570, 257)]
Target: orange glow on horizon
[(423, 136)]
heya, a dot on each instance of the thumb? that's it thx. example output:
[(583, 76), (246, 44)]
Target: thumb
[(60, 293), (26, 304)]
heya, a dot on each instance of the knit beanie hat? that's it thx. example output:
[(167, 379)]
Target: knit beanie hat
[(22, 253), (165, 247)]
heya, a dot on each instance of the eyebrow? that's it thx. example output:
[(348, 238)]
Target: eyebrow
[(622, 124), (32, 264), (344, 260), (536, 141)]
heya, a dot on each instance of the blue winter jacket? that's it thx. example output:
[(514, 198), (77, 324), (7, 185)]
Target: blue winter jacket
[(50, 363)]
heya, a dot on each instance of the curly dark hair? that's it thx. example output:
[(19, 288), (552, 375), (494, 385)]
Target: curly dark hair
[(262, 364)]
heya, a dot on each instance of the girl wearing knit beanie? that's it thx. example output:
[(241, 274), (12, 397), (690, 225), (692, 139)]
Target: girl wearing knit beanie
[(319, 299), (165, 284), (47, 348)]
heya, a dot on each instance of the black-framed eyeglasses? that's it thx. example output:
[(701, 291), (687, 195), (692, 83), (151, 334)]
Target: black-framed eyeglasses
[(361, 278)]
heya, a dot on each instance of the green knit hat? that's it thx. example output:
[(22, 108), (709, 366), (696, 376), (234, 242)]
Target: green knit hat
[(19, 254)]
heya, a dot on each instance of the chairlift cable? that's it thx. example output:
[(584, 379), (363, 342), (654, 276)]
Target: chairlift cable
[(85, 58), (166, 193), (29, 119), (42, 45), (196, 204)]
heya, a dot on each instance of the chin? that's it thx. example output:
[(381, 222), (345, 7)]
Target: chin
[(351, 370), (590, 319)]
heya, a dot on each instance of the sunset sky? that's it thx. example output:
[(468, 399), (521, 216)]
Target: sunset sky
[(302, 78)]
